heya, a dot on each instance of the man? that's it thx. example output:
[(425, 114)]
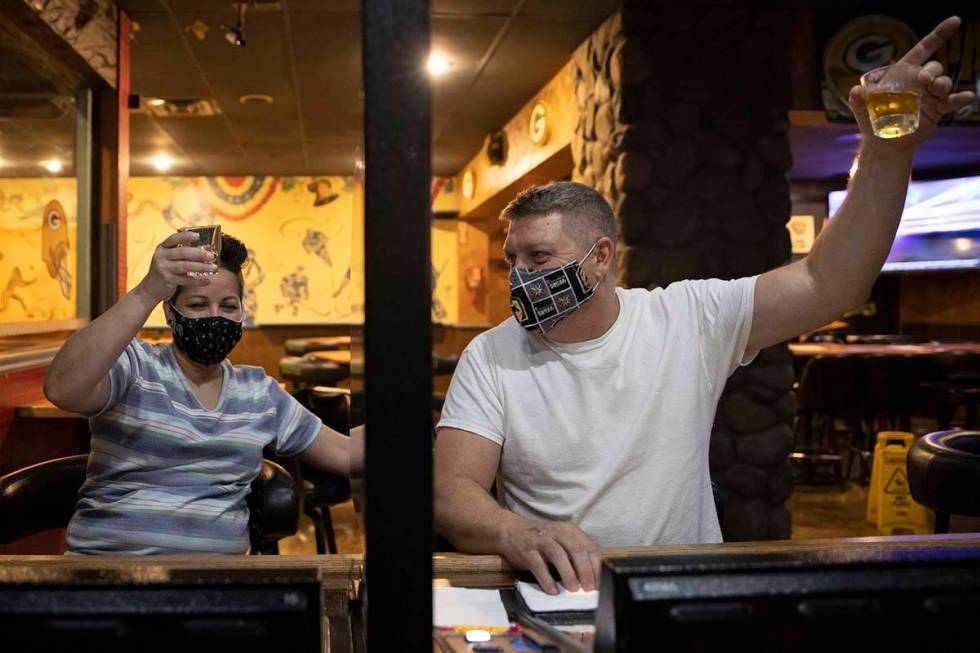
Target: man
[(594, 415)]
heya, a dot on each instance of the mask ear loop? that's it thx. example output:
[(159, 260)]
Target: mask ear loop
[(582, 261)]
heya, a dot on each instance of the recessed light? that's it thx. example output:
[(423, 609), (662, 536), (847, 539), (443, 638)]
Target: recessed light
[(163, 162), (156, 101), (439, 64), (255, 98), (53, 166)]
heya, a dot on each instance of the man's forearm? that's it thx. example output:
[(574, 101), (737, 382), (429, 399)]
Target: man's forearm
[(848, 256), (470, 518)]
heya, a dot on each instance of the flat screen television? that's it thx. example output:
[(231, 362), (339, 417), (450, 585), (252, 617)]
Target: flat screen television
[(940, 227)]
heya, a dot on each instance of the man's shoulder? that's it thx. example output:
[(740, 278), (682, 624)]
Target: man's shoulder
[(506, 334)]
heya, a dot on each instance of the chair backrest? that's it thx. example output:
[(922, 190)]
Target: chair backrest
[(43, 496), (40, 497), (273, 506)]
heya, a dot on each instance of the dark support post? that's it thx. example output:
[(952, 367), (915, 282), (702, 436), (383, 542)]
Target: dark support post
[(397, 325)]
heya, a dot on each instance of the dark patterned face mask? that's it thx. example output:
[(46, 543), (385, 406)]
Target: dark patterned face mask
[(205, 340), (540, 299)]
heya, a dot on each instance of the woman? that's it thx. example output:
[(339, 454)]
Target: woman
[(177, 431)]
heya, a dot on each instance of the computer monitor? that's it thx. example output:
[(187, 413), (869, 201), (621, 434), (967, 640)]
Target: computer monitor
[(826, 600)]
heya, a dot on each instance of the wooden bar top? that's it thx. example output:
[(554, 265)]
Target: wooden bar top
[(455, 569), (44, 409), (805, 349)]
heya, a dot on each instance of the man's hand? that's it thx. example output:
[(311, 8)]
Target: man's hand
[(935, 99), (533, 545)]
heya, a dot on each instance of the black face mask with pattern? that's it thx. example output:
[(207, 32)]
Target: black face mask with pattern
[(205, 340), (540, 299)]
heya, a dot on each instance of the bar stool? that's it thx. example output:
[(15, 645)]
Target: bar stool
[(321, 489), (301, 346), (43, 496), (444, 364), (944, 474), (304, 371), (828, 390)]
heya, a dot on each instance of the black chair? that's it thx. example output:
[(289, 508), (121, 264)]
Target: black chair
[(944, 474), (43, 496)]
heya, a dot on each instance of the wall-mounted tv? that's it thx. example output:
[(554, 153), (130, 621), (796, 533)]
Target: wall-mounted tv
[(940, 227)]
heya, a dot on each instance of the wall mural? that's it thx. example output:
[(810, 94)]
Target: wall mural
[(38, 233), (299, 232)]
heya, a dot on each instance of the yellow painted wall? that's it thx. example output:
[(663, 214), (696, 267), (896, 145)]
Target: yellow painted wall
[(445, 266), (298, 231), (304, 234), (38, 240), (524, 156)]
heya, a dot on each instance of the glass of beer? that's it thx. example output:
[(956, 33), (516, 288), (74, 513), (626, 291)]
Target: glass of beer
[(893, 99), (209, 239)]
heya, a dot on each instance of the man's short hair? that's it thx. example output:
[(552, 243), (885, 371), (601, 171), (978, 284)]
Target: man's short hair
[(585, 213)]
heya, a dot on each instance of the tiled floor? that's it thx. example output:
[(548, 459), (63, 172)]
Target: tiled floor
[(827, 511)]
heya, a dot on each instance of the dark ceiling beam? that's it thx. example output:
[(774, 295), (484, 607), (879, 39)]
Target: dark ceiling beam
[(25, 34)]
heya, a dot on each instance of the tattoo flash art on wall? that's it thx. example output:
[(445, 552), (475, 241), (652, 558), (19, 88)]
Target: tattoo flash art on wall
[(301, 235), (299, 248), (252, 276), (55, 245), (37, 260), (295, 290)]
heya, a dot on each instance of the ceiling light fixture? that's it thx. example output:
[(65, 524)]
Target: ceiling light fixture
[(163, 162), (255, 98), (53, 166), (438, 64), (236, 35), (156, 101)]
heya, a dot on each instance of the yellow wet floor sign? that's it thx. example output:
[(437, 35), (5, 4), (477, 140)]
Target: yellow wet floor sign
[(890, 504)]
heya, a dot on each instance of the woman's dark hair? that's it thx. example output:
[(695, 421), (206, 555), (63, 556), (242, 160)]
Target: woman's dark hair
[(234, 258)]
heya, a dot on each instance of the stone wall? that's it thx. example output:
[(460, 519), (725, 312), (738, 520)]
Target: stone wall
[(683, 121)]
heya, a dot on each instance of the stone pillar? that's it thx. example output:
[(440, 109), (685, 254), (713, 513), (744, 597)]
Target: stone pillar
[(683, 128)]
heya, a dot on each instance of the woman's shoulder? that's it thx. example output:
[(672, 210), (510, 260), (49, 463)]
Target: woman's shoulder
[(249, 374)]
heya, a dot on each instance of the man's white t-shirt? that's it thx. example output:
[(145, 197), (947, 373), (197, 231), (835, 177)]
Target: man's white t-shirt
[(612, 433)]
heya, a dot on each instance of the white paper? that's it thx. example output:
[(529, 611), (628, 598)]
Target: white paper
[(457, 606), (537, 600)]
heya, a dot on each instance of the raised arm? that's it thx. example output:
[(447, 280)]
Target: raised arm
[(77, 379), (466, 514), (848, 255)]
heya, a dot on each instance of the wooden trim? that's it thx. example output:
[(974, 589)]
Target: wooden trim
[(48, 326)]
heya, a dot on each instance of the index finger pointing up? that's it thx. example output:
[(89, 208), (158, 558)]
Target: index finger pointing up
[(921, 51)]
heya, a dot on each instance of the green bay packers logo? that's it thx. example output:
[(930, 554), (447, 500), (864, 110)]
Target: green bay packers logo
[(862, 44)]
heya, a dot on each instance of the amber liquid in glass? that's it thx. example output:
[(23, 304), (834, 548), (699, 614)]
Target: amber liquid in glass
[(893, 113)]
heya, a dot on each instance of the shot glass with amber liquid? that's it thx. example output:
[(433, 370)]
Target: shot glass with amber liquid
[(893, 99)]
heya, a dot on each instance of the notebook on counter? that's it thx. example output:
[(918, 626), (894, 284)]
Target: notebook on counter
[(537, 600)]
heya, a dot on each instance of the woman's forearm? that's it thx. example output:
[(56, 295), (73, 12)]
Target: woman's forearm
[(77, 378)]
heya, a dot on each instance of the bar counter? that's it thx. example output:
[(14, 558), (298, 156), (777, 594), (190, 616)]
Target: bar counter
[(340, 575)]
